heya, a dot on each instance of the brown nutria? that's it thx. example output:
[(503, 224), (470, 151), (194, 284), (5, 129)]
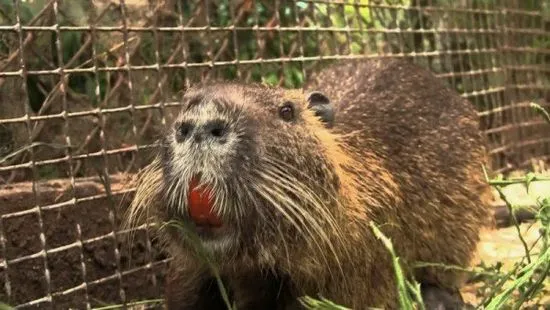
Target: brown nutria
[(280, 186)]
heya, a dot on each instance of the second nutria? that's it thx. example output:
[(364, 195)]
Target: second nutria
[(280, 187)]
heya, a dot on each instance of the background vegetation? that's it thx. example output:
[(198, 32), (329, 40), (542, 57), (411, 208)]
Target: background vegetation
[(466, 42)]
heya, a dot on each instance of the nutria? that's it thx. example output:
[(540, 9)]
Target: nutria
[(280, 186)]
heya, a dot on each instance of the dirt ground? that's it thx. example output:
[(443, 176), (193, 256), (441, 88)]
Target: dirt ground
[(71, 265), (109, 280)]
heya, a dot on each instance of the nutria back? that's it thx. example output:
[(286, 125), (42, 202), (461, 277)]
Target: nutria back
[(404, 109), (429, 140), (293, 179)]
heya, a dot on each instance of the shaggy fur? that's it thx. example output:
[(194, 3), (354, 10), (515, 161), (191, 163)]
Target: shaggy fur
[(296, 198)]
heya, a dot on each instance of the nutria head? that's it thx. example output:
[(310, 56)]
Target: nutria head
[(247, 165)]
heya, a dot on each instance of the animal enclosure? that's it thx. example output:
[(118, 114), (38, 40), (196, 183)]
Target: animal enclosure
[(87, 87)]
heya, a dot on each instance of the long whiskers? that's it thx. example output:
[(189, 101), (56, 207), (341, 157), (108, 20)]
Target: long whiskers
[(299, 213), (287, 208), (312, 200), (144, 199), (278, 163), (315, 199)]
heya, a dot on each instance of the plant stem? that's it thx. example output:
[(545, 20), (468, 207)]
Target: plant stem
[(514, 220)]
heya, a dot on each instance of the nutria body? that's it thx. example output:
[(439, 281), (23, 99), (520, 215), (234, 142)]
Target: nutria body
[(293, 192)]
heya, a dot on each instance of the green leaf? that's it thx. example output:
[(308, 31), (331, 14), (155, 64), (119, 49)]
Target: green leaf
[(526, 273), (35, 96), (530, 177), (4, 306), (271, 79), (7, 9), (302, 5), (321, 304), (541, 110), (70, 44)]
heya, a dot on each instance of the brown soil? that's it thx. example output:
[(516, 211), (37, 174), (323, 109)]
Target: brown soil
[(70, 265)]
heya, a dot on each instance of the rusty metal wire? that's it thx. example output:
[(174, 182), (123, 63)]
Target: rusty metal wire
[(86, 89)]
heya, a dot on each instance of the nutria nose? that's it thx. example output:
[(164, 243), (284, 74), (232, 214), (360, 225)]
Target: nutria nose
[(214, 130), (183, 130)]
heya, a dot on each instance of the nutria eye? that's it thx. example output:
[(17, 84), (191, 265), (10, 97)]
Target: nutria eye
[(287, 111)]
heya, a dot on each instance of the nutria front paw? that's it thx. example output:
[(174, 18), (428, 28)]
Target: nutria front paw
[(183, 295), (436, 298)]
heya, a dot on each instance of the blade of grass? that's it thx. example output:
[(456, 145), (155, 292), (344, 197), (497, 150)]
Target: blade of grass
[(205, 256), (320, 304), (404, 299), (131, 304), (541, 110), (21, 150), (527, 272)]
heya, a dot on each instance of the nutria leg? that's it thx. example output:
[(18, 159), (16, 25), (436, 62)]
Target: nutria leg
[(436, 298), (263, 291), (192, 291)]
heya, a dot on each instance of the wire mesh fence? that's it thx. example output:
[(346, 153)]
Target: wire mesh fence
[(86, 87)]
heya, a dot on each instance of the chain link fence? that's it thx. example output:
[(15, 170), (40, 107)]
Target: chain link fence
[(86, 88)]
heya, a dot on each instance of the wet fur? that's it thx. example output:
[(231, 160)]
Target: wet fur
[(404, 152)]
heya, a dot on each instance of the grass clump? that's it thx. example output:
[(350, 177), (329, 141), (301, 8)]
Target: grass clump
[(527, 282), (409, 292)]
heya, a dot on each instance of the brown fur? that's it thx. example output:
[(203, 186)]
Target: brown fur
[(405, 153)]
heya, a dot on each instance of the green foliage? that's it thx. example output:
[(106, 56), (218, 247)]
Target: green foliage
[(528, 279), (144, 303), (4, 306), (409, 292), (320, 304), (7, 12), (541, 111), (274, 44), (70, 43)]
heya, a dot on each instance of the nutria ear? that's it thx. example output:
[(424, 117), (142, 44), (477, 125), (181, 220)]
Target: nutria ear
[(320, 103), (317, 97)]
